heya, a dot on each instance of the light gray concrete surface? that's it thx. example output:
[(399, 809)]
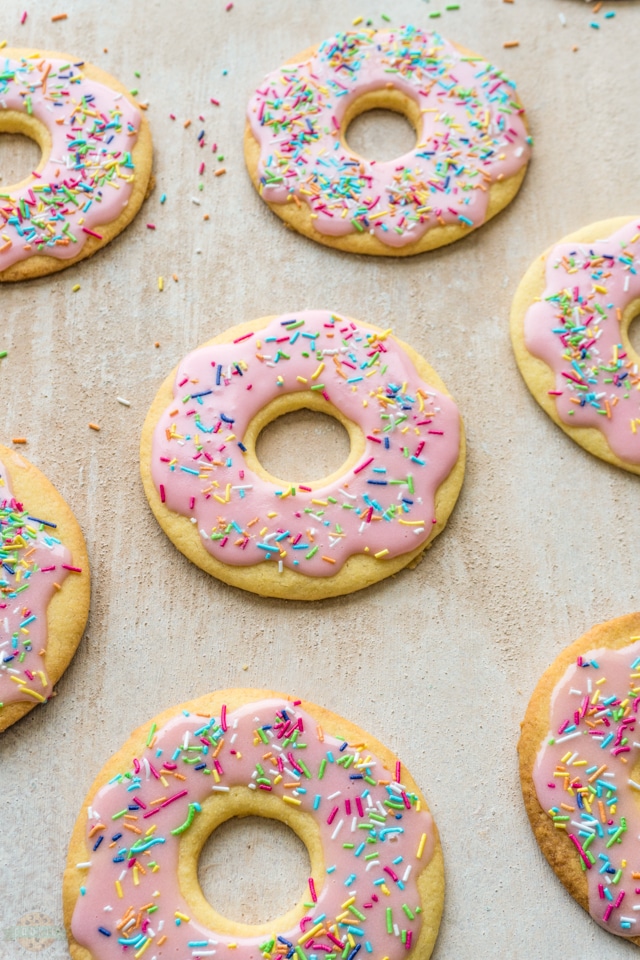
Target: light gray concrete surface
[(439, 662)]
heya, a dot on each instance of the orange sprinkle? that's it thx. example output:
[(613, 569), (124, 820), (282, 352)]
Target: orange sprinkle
[(59, 16), (18, 439), (597, 7), (187, 123), (94, 426), (219, 172), (511, 43)]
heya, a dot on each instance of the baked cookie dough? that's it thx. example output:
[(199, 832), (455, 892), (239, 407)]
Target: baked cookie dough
[(95, 169), (44, 587), (578, 768), (469, 161), (316, 539), (570, 332), (377, 880)]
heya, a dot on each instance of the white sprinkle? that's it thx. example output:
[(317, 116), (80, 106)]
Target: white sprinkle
[(125, 403), (337, 830)]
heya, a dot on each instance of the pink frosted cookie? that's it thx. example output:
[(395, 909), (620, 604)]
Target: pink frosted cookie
[(44, 587), (569, 326), (315, 539), (578, 760), (376, 883), (95, 169), (472, 145)]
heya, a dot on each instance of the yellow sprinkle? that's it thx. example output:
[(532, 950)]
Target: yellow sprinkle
[(317, 371), (160, 283), (355, 21), (423, 840), (33, 693), (347, 903), (381, 553), (599, 289), (182, 916), (119, 889), (385, 889), (292, 800), (302, 379), (142, 949), (75, 288), (312, 932), (412, 523)]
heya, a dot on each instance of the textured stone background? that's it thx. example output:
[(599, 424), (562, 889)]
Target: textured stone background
[(439, 662)]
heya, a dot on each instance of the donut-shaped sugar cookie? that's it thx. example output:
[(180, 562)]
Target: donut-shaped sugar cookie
[(44, 587), (376, 884), (578, 759), (569, 327), (468, 163), (95, 168), (314, 539)]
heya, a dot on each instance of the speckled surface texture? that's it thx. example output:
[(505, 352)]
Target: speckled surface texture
[(439, 662)]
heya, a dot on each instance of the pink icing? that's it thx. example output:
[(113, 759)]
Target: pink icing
[(33, 559), (472, 134), (383, 506), (575, 329), (586, 764), (359, 807), (87, 179)]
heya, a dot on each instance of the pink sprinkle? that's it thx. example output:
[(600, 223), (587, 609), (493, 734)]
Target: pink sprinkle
[(223, 717), (176, 796), (65, 566), (23, 17), (312, 888), (363, 465), (215, 102), (151, 226), (162, 497), (359, 807), (92, 233), (332, 815), (398, 771), (229, 6), (201, 168)]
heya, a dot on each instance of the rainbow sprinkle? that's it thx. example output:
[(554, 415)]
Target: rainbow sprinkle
[(383, 505), (376, 838), (471, 134), (583, 778)]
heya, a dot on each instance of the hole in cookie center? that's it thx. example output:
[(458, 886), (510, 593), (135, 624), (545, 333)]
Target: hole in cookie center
[(254, 869), (381, 135), (19, 156), (302, 445), (633, 332)]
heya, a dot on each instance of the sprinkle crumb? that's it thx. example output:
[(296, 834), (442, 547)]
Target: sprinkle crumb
[(205, 216), (174, 277), (511, 43), (157, 343), (94, 426), (18, 440), (59, 16)]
